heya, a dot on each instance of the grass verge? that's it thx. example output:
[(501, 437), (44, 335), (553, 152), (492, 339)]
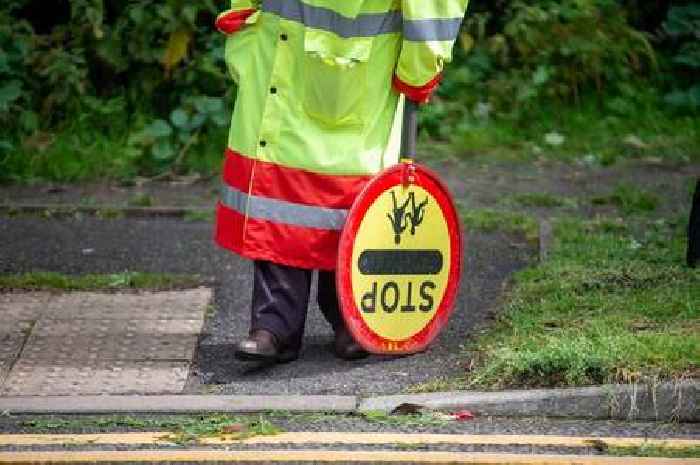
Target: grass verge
[(609, 306), (489, 220), (125, 280), (654, 451), (585, 133), (615, 303), (182, 429)]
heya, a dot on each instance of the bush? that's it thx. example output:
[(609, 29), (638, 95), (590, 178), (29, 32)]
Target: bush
[(541, 52), (110, 67), (136, 87), (683, 27)]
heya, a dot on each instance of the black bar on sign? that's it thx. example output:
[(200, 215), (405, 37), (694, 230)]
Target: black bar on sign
[(400, 262)]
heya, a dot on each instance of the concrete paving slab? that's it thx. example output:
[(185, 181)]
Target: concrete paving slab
[(4, 371), (176, 404), (98, 377), (81, 327), (23, 306), (62, 341), (13, 333), (188, 304)]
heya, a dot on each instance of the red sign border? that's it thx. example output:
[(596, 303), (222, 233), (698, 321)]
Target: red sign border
[(362, 333)]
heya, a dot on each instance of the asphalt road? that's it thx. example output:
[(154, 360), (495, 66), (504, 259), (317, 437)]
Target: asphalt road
[(91, 245), (319, 423)]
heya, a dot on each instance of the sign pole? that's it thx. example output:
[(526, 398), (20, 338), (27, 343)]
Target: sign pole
[(409, 134), (400, 255)]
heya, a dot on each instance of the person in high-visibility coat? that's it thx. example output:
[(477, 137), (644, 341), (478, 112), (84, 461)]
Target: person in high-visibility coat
[(317, 115)]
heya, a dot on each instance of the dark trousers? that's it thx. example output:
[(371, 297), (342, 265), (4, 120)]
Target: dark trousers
[(281, 299)]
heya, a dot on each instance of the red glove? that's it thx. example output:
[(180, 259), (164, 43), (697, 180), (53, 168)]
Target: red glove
[(231, 21), (417, 94)]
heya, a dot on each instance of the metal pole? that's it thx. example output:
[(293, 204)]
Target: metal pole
[(409, 134)]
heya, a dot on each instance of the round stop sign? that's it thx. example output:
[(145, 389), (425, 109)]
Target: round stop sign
[(399, 261)]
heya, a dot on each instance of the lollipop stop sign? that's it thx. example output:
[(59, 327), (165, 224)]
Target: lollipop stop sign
[(399, 262)]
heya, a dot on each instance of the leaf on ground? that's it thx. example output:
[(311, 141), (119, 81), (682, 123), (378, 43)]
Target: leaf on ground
[(409, 409), (233, 428)]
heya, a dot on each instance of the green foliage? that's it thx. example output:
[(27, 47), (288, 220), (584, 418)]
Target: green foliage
[(111, 68), (120, 88), (541, 51), (167, 142), (683, 26)]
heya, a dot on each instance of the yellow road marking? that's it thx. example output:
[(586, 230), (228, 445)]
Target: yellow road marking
[(350, 438), (327, 456)]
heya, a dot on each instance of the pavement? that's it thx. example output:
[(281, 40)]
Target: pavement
[(98, 343), (92, 352), (182, 341)]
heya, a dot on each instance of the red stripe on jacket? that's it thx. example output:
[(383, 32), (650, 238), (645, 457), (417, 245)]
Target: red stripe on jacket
[(291, 184), (257, 239)]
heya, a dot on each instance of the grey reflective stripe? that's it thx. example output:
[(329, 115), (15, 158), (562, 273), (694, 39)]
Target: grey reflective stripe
[(364, 25), (431, 29), (279, 211)]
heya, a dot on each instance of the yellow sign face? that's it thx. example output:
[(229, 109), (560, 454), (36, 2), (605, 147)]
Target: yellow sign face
[(401, 262)]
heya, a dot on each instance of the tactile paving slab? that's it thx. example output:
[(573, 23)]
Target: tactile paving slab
[(99, 377), (13, 333), (100, 343), (66, 340), (186, 304)]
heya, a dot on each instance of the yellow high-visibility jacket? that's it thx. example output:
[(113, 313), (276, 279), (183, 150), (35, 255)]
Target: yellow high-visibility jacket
[(317, 113)]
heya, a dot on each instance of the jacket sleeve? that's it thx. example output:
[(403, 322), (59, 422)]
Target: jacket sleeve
[(233, 19), (430, 28)]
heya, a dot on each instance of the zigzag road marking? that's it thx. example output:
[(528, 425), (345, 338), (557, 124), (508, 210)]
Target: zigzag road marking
[(325, 456), (155, 438)]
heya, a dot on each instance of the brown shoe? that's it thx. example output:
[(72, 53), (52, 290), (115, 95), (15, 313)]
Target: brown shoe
[(262, 346), (346, 347)]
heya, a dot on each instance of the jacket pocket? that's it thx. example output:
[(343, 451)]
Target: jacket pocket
[(335, 78)]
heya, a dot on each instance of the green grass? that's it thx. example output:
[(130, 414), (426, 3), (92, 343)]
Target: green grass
[(490, 220), (125, 280), (629, 199), (207, 216), (141, 200), (410, 420), (541, 200), (614, 303), (654, 451), (595, 133), (182, 429)]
